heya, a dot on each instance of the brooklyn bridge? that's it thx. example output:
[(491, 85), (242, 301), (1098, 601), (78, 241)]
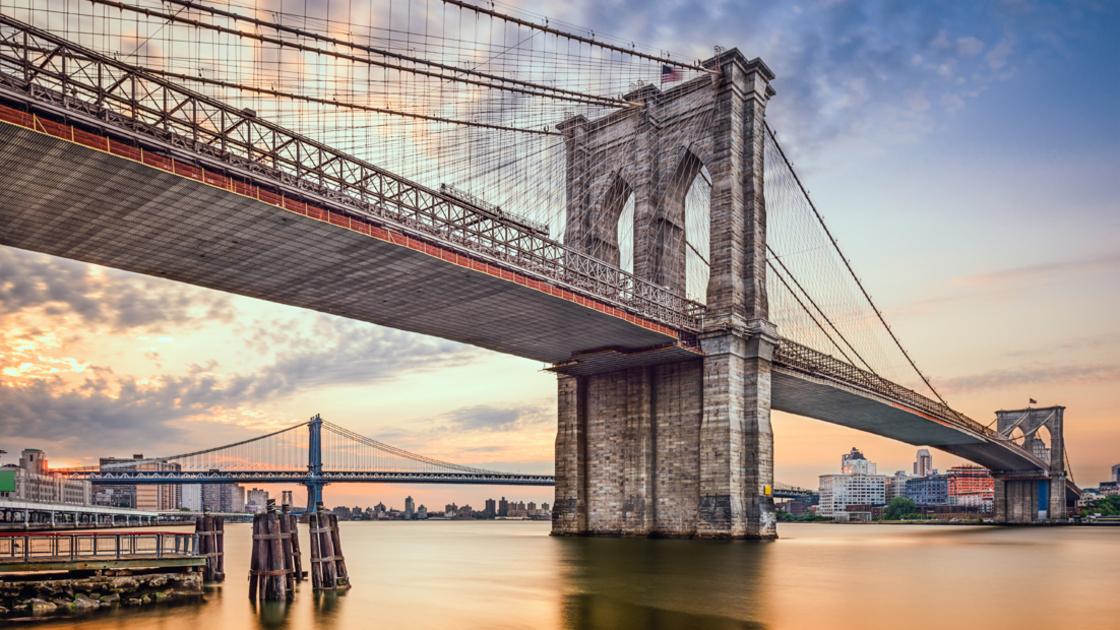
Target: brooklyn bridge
[(627, 217)]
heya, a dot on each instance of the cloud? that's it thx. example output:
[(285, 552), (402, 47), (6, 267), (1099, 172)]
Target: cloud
[(105, 411), (107, 297), (1040, 271), (1056, 375), (969, 46), (491, 418)]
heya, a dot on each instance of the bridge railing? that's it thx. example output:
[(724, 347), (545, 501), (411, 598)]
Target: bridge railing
[(52, 546), (814, 362), (49, 72)]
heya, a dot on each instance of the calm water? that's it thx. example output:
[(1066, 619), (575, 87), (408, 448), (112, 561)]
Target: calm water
[(466, 575)]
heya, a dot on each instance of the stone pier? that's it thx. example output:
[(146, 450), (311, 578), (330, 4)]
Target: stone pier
[(680, 448)]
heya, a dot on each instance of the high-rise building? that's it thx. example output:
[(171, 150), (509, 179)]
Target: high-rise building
[(192, 496), (544, 507), (1116, 473), (855, 462), (924, 465), (409, 507), (1040, 450), (491, 508), (503, 507), (451, 510), (421, 512), (858, 484), (223, 497)]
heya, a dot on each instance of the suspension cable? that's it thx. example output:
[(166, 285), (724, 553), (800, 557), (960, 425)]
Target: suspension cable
[(852, 271)]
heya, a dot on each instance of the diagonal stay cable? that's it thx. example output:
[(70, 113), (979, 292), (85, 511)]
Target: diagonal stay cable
[(878, 314), (810, 313), (774, 256)]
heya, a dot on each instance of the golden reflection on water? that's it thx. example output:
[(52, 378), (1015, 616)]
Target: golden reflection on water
[(474, 575)]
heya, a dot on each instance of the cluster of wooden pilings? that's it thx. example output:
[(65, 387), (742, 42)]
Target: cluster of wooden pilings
[(211, 545), (328, 567), (276, 563)]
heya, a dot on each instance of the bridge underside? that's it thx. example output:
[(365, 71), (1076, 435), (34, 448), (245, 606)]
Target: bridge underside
[(64, 199), (825, 400)]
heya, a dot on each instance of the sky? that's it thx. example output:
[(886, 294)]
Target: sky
[(966, 155)]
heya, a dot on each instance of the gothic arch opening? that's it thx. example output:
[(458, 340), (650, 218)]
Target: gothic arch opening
[(617, 227), (688, 200)]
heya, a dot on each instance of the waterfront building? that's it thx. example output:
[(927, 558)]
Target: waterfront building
[(857, 484), (503, 507), (466, 511), (256, 501), (971, 486), (928, 490), (1116, 474), (1109, 488), (409, 507), (192, 496), (31, 480), (223, 497), (421, 512), (544, 507), (451, 510), (896, 485), (144, 496), (491, 508), (924, 464)]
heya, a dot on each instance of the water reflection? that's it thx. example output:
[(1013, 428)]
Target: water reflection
[(615, 584), (272, 615)]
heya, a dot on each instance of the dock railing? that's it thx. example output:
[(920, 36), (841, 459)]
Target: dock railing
[(33, 547)]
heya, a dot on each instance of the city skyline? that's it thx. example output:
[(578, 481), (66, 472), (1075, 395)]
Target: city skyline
[(951, 185)]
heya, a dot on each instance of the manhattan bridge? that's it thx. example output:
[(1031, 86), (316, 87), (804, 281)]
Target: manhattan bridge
[(625, 215)]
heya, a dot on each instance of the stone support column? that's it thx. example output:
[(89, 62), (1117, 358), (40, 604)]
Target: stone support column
[(569, 510)]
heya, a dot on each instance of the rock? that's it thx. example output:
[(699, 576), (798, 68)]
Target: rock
[(82, 602), (110, 598), (145, 600), (133, 601), (37, 605), (3, 611)]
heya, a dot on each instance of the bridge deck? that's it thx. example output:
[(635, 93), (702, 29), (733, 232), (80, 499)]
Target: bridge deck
[(64, 198)]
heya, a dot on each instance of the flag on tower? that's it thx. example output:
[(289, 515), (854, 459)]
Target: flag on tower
[(670, 74), (1033, 401)]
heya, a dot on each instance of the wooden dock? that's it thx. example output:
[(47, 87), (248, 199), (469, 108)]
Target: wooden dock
[(79, 551)]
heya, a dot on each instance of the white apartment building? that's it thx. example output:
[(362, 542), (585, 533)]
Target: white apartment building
[(896, 485), (857, 484)]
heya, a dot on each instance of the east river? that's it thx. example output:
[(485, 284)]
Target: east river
[(468, 575)]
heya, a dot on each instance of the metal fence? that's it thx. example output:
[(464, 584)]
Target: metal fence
[(51, 546)]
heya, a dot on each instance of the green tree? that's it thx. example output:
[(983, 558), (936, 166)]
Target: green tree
[(899, 507)]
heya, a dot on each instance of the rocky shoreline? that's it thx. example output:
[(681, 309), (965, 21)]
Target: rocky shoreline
[(38, 595)]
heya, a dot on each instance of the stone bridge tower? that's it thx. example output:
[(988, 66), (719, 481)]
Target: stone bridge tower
[(684, 448), (1030, 496)]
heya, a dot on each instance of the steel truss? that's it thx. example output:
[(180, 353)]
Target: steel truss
[(274, 476), (52, 75)]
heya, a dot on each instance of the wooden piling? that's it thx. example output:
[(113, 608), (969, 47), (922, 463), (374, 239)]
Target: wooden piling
[(316, 554), (286, 548), (343, 578), (255, 562), (297, 557), (211, 544), (270, 573)]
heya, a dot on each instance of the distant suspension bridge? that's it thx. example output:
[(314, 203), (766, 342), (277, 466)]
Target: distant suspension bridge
[(325, 453)]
